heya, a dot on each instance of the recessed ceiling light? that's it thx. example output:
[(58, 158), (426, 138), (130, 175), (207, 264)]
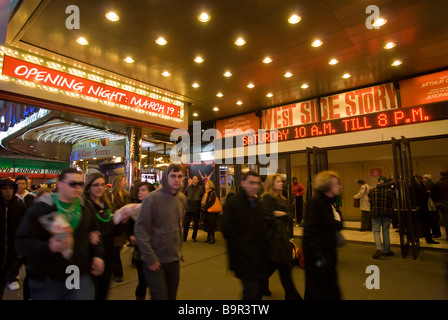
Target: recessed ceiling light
[(288, 75), (112, 16), (269, 95), (267, 60), (215, 109), (166, 74), (195, 114), (304, 86), (195, 85), (227, 74), (346, 75), (198, 59), (294, 19), (333, 61), (251, 85), (390, 45), (396, 63), (380, 22), (317, 43), (82, 41), (128, 60), (219, 94), (239, 102), (161, 41), (204, 17), (240, 42)]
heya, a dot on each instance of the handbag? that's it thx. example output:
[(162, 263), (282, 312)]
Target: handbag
[(216, 207), (431, 205), (356, 203)]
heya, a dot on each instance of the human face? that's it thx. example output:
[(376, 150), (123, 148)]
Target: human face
[(175, 180), (251, 185), (123, 183), (335, 188), (7, 192), (70, 188), (21, 184), (97, 188), (195, 181), (278, 184), (142, 192), (207, 187)]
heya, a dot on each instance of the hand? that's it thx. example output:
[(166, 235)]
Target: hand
[(132, 240), (94, 237), (97, 267), (59, 243), (154, 267), (279, 213)]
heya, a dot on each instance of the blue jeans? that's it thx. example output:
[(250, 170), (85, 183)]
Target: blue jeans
[(49, 289), (377, 223)]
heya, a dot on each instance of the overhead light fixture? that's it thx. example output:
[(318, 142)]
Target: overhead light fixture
[(195, 114), (112, 16), (267, 60), (227, 74), (240, 42), (346, 75), (204, 17), (195, 85), (269, 95), (304, 86), (161, 41), (390, 45), (215, 109), (251, 85), (316, 43), (128, 60), (294, 19), (288, 75), (397, 63), (166, 74), (198, 59), (239, 102), (82, 41), (219, 95), (333, 61), (380, 22)]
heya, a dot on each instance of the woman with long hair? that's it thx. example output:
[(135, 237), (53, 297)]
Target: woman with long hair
[(119, 198), (95, 197), (210, 218), (277, 217)]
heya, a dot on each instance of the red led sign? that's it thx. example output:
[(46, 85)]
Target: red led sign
[(24, 70), (379, 120)]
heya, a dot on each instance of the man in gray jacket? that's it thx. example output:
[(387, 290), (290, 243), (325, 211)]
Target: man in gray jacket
[(158, 232)]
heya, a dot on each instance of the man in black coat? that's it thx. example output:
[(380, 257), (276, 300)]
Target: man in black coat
[(11, 213), (245, 232)]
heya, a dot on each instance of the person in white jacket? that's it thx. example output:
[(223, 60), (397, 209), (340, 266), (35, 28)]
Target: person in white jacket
[(364, 205)]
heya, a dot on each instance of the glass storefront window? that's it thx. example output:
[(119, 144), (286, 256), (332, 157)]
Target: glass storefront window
[(226, 180)]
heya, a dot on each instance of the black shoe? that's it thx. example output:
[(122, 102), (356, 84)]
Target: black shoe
[(377, 254), (388, 254), (267, 293), (432, 242)]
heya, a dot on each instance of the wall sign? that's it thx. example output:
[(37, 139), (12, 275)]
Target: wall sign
[(425, 89), (371, 121), (61, 81)]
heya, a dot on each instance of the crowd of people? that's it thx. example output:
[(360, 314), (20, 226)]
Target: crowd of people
[(84, 224)]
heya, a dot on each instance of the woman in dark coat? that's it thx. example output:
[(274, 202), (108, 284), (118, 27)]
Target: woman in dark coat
[(210, 218), (319, 239), (277, 218)]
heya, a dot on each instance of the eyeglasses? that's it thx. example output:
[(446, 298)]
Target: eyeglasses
[(74, 184), (96, 185)]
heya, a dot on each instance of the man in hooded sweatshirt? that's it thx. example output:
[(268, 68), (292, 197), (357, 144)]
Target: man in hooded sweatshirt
[(158, 232), (11, 213)]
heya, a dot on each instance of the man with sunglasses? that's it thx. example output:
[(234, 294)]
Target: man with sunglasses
[(158, 232), (60, 265)]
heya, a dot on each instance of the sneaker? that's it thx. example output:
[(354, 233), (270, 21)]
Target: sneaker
[(377, 254), (389, 254), (14, 286)]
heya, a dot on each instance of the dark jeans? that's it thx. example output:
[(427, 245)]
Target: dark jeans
[(163, 284), (5, 273), (253, 289), (49, 289), (188, 216), (284, 270)]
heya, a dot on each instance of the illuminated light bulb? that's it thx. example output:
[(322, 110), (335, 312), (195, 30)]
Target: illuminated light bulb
[(304, 86), (198, 59), (128, 60), (219, 94), (195, 85), (239, 102), (204, 17), (227, 74), (112, 16), (267, 60), (380, 22), (251, 85), (82, 41), (333, 61), (390, 45), (161, 41), (240, 42), (288, 75), (316, 43), (215, 109), (397, 63), (269, 95), (294, 19), (166, 74), (346, 75)]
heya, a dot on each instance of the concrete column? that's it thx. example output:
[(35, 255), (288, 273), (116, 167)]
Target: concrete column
[(133, 155)]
